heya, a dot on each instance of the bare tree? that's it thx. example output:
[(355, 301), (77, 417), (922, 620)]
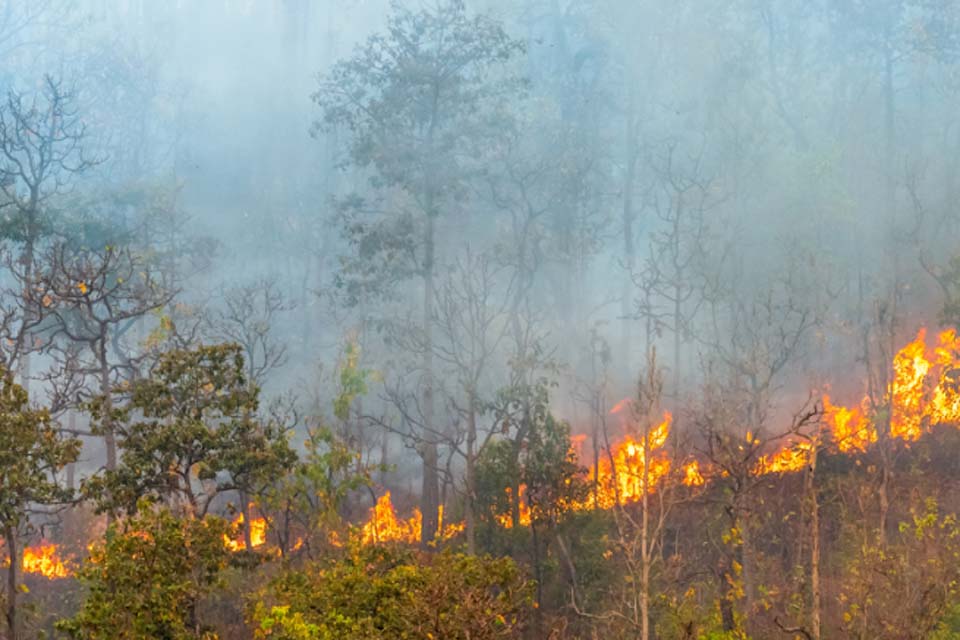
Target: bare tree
[(766, 334), (90, 299), (248, 318), (41, 152), (472, 322)]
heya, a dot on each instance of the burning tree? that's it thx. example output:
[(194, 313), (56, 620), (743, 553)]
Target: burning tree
[(642, 476), (32, 452)]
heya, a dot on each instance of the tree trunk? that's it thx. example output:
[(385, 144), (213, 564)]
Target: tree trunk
[(430, 495), (814, 545), (538, 576), (746, 571), (108, 435), (13, 586), (645, 555), (725, 576), (471, 477), (245, 512), (629, 215)]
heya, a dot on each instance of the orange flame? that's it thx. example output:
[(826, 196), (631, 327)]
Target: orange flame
[(910, 368), (924, 391), (692, 476), (851, 429), (44, 559), (258, 534), (792, 458), (383, 525)]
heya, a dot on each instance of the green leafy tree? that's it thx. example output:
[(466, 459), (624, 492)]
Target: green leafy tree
[(32, 452), (422, 104), (390, 593), (311, 496), (534, 465), (189, 432), (147, 579), (906, 589)]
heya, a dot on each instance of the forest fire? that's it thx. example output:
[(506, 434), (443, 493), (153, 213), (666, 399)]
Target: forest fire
[(45, 560), (632, 466), (258, 534), (924, 391), (383, 525)]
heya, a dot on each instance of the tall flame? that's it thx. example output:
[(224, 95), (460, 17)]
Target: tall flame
[(910, 368)]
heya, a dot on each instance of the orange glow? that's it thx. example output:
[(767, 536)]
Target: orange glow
[(910, 368), (383, 525), (692, 476), (793, 458), (620, 406), (945, 405), (258, 534), (44, 559), (851, 429), (635, 467)]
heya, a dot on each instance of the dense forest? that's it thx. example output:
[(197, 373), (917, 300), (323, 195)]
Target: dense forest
[(436, 319)]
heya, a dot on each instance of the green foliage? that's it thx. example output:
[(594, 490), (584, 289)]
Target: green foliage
[(537, 454), (906, 588), (353, 381), (146, 580), (32, 451), (192, 421), (386, 593), (423, 103), (315, 489)]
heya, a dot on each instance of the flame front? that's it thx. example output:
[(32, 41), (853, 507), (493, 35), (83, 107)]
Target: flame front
[(383, 525), (635, 467), (792, 458), (924, 391)]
